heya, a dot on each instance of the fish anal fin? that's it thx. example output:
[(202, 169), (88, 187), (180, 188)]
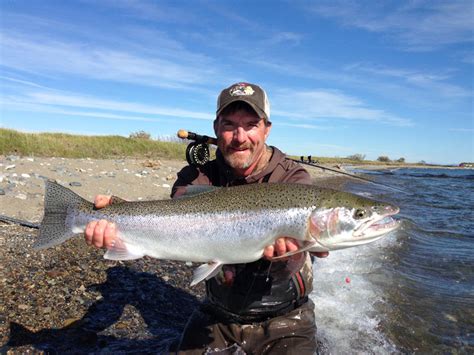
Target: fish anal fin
[(307, 245), (122, 251), (206, 271)]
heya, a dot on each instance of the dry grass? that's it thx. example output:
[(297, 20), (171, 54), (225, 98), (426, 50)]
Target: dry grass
[(76, 146)]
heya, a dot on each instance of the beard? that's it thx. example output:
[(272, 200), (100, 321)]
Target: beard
[(239, 162)]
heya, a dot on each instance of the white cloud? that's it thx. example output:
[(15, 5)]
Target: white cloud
[(47, 56), (428, 81), (46, 100), (320, 104), (416, 25), (302, 125), (464, 130)]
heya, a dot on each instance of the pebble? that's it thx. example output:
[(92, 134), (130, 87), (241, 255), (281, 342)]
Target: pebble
[(75, 183), (166, 185), (9, 167), (21, 196), (12, 158), (2, 192), (26, 176), (23, 307)]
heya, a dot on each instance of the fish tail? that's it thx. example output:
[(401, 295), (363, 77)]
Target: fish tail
[(59, 202)]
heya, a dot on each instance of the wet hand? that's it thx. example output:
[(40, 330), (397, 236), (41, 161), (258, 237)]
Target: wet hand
[(284, 245), (101, 234)]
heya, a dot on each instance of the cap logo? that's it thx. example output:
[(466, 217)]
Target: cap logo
[(241, 90)]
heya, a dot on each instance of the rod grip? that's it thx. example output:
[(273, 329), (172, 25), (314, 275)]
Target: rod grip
[(183, 134)]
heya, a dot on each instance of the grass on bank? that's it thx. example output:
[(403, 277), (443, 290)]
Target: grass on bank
[(138, 145), (77, 146)]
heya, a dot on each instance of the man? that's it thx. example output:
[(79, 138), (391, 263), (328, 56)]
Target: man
[(260, 307)]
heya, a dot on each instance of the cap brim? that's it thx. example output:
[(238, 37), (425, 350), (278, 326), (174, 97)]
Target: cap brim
[(257, 110)]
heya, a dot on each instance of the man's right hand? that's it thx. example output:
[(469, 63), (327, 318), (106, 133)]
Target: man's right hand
[(101, 234)]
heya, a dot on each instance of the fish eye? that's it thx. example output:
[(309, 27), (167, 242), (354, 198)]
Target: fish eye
[(359, 213)]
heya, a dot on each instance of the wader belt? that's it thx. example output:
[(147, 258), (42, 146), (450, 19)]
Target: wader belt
[(226, 316)]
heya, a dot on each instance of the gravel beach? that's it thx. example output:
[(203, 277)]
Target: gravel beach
[(68, 298)]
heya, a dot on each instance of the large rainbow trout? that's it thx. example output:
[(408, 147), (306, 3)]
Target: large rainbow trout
[(221, 225)]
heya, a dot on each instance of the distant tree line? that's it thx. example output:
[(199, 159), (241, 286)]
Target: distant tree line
[(382, 158)]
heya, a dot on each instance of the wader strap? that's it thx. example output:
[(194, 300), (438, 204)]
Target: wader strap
[(300, 285), (266, 178)]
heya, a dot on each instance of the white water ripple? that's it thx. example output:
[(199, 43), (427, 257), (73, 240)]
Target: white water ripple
[(346, 299)]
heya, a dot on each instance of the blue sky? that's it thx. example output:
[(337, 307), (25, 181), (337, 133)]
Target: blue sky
[(377, 78)]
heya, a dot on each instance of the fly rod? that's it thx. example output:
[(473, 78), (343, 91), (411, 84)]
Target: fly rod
[(198, 154)]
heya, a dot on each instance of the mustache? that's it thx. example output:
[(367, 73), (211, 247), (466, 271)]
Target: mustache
[(237, 146)]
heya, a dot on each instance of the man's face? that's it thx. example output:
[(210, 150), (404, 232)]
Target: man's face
[(241, 139)]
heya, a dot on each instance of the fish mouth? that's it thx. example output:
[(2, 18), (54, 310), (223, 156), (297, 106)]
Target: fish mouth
[(378, 226)]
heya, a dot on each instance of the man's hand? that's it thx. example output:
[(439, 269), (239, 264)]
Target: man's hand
[(101, 233), (284, 245)]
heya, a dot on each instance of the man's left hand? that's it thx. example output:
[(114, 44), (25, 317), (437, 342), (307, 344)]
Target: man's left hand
[(284, 245)]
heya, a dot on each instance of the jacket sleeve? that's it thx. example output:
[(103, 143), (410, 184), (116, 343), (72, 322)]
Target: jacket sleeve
[(298, 175), (190, 175), (186, 176), (290, 171)]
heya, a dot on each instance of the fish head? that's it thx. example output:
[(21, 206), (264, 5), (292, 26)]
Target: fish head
[(353, 222)]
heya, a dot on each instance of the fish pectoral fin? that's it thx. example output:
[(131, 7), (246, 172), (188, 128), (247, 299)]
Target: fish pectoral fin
[(122, 251), (206, 271), (307, 245)]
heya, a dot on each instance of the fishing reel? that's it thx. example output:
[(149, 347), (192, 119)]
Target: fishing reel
[(197, 152)]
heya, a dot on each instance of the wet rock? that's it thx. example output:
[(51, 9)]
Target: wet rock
[(12, 158)]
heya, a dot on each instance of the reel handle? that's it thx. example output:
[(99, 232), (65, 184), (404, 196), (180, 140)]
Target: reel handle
[(183, 134)]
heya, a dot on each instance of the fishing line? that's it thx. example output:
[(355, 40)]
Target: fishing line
[(21, 222), (350, 175)]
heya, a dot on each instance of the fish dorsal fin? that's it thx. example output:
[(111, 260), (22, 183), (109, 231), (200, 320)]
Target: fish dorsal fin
[(206, 271), (193, 190), (115, 200)]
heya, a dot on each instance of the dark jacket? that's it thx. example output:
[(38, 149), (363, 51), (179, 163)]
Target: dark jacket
[(261, 288)]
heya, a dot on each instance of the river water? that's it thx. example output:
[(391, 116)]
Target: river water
[(413, 290)]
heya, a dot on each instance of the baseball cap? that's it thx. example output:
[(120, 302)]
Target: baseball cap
[(252, 94)]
